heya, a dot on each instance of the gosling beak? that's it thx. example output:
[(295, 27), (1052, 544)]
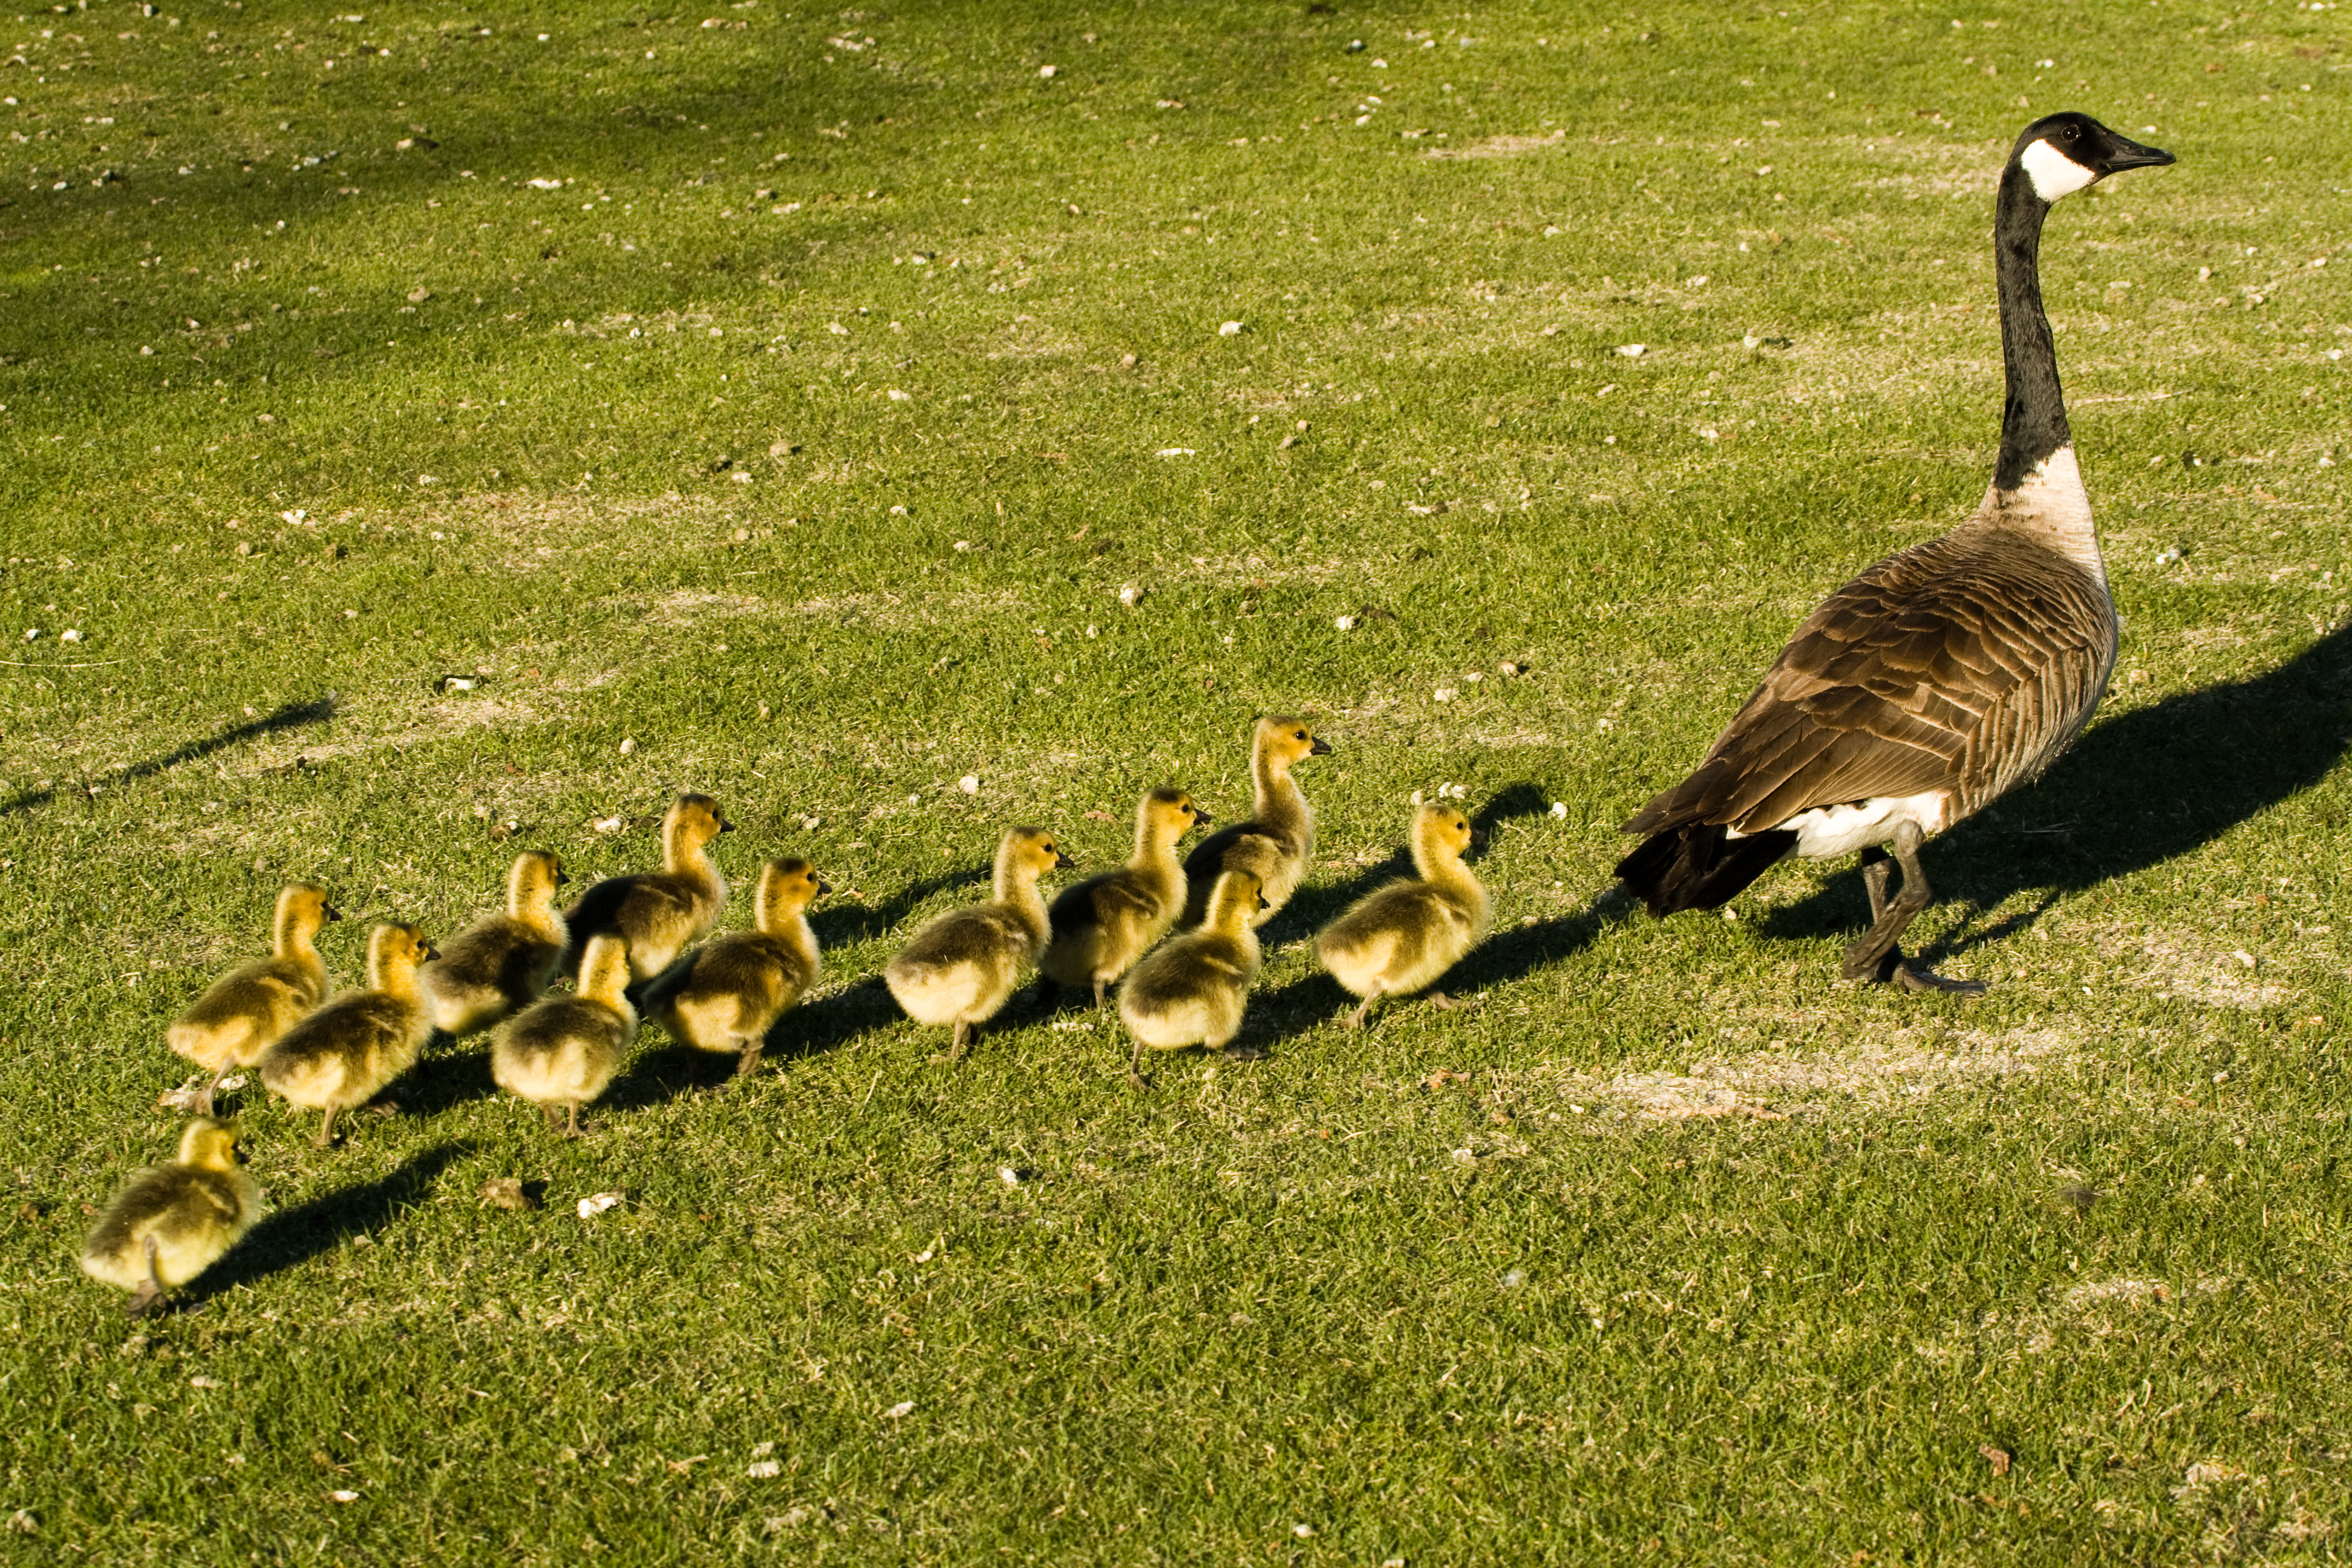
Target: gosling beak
[(1261, 903), (432, 953), (333, 914), (1321, 748), (725, 825), (1201, 819), (2130, 155), (561, 878), (1062, 861), (823, 888)]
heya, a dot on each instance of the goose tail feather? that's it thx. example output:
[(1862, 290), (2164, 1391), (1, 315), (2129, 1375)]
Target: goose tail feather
[(1694, 865)]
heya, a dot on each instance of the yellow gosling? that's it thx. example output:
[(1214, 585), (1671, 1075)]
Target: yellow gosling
[(963, 967), (727, 995), (560, 1053), (1193, 989), (1278, 843), (343, 1054), (1103, 924), (659, 913), (172, 1221), (241, 1013), (1402, 937), (500, 965)]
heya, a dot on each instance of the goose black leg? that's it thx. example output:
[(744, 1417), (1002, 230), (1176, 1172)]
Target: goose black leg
[(1878, 954)]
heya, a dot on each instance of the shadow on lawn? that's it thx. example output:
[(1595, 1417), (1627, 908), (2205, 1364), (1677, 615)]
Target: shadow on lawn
[(295, 1235), (2139, 788), (290, 716), (838, 923), (663, 1069)]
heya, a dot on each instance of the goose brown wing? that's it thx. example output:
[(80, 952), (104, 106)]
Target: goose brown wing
[(1960, 667)]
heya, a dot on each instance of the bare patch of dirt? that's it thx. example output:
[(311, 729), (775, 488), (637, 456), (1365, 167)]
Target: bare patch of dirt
[(1499, 146)]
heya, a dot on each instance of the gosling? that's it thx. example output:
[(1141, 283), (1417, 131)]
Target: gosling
[(562, 1051), (1103, 924), (1402, 937), (1193, 990), (500, 965), (726, 995), (172, 1221), (242, 1012), (1278, 843), (342, 1055), (660, 912), (963, 967)]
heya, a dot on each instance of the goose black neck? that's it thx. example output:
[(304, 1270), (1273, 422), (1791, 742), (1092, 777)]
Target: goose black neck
[(2034, 416)]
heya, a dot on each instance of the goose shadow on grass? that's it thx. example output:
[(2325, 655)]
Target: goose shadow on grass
[(662, 1068), (837, 923), (291, 1237), (288, 716), (2141, 788)]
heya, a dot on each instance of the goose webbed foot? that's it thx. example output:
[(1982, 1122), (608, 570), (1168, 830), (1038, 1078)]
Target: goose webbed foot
[(1921, 980), (1874, 953)]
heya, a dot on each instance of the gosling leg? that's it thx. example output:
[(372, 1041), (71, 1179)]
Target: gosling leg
[(326, 1129), (149, 1298), (963, 1041), (552, 1118), (1364, 1012), (205, 1099), (748, 1062), (571, 1124), (1099, 983), (1134, 1069)]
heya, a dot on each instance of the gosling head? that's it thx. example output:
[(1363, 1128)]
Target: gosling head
[(2062, 153), (208, 1145), (786, 887), (1028, 853), (1442, 829), (696, 818), (302, 907), (536, 874), (1283, 742), (396, 947), (1236, 901), (1168, 813)]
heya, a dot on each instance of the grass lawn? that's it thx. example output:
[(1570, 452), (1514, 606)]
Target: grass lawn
[(820, 408)]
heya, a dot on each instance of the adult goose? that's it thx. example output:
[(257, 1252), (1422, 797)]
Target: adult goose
[(1940, 678)]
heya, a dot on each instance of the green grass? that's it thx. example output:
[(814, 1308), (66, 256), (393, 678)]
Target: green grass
[(1673, 1247)]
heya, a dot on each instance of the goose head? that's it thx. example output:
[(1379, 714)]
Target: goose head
[(2062, 153)]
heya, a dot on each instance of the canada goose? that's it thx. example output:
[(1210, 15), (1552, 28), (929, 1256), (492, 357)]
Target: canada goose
[(1103, 924), (1402, 937), (725, 996), (562, 1051), (172, 1221), (1192, 989), (659, 912), (962, 967), (242, 1012), (1278, 840), (1942, 677), (496, 965), (340, 1055)]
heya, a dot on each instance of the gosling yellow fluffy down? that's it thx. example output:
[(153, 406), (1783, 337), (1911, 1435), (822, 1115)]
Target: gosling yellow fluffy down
[(242, 1012), (1278, 843), (1193, 989), (172, 1221), (560, 1053), (1402, 937), (659, 913), (727, 994), (1103, 924), (491, 968), (342, 1055), (963, 967)]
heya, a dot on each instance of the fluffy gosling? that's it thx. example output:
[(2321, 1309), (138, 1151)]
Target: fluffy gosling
[(172, 1221), (500, 965), (1402, 937), (1193, 990), (660, 912), (1103, 924), (562, 1051), (342, 1055), (1278, 843), (726, 995), (242, 1012), (964, 966)]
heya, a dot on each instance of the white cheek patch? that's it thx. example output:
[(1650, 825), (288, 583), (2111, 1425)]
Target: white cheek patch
[(2053, 174)]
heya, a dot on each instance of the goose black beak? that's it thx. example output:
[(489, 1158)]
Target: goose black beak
[(1321, 748), (1063, 862), (2129, 154)]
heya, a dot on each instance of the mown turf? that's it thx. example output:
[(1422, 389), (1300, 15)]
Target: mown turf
[(1672, 1248)]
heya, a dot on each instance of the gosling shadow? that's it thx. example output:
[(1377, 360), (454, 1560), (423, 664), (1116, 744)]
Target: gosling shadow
[(288, 716), (450, 1073), (2142, 787), (291, 1238), (662, 1071), (840, 921)]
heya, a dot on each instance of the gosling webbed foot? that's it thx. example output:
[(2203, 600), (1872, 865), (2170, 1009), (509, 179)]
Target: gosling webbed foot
[(1239, 1052), (748, 1062), (1440, 1000), (147, 1300)]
